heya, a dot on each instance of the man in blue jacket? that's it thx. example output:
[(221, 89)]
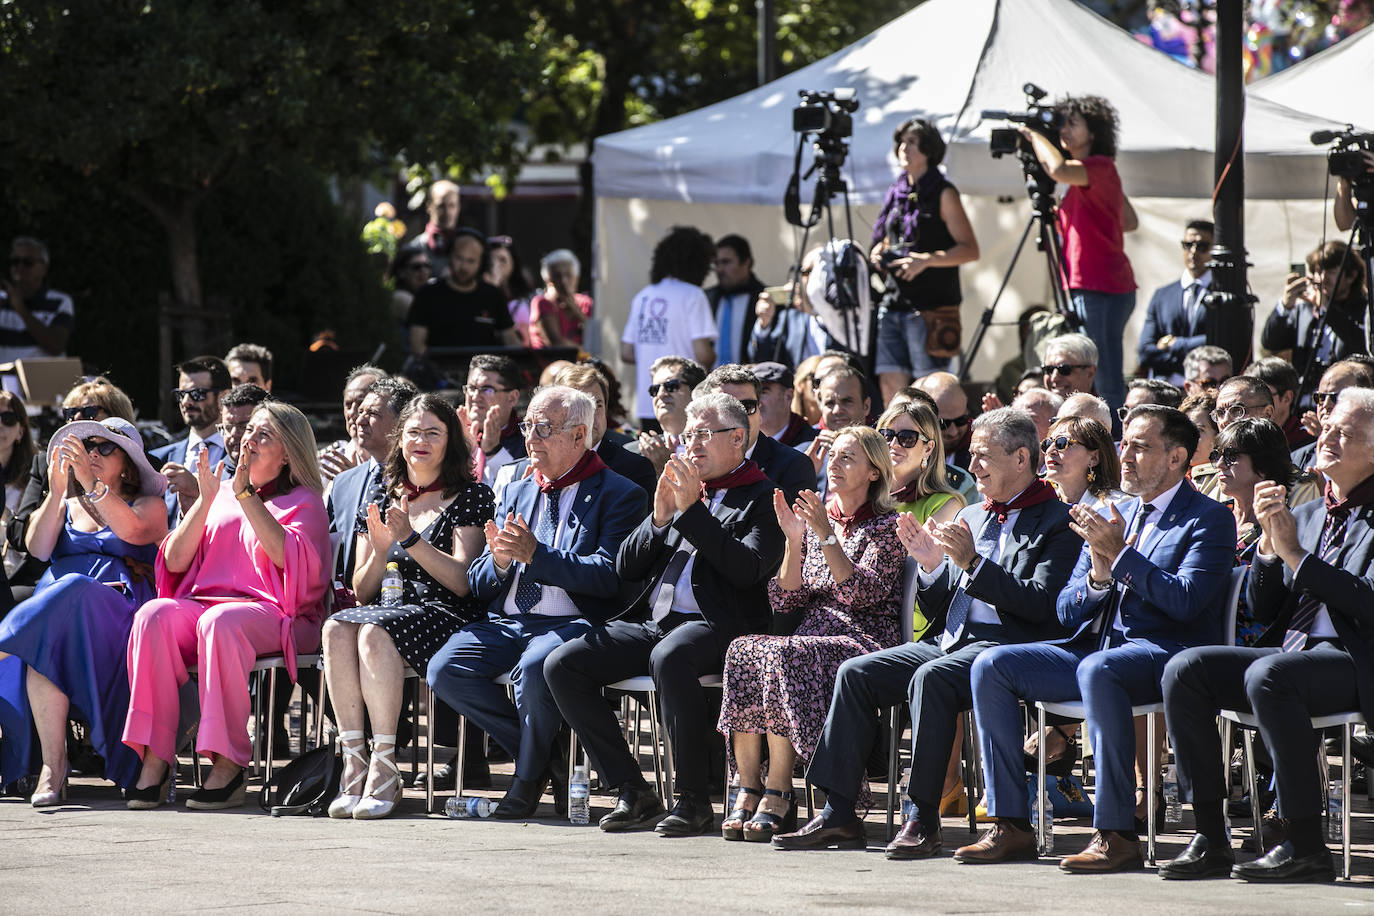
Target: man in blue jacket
[(1176, 319)]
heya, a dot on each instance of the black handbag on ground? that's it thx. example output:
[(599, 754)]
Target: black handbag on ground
[(306, 785)]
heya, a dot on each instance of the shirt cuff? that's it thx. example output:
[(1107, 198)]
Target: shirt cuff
[(1117, 558), (927, 578)]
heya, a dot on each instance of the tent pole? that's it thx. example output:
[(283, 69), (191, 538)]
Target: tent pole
[(1230, 313), (768, 30)]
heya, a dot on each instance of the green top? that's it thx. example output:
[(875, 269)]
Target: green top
[(923, 509)]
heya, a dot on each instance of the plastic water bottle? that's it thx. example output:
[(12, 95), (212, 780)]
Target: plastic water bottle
[(908, 806), (580, 797), (733, 794), (1173, 805), (1047, 848), (392, 586), (458, 806), (1334, 798)]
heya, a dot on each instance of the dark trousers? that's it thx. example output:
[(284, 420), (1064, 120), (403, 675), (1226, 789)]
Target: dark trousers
[(933, 683), (1283, 690), (578, 670)]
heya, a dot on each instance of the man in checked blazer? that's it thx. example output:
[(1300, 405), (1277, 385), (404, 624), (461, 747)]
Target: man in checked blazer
[(990, 577), (1312, 584), (703, 559), (1149, 583)]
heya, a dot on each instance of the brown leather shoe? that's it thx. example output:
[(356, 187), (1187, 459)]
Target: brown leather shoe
[(913, 841), (1000, 843), (1108, 851), (815, 835)]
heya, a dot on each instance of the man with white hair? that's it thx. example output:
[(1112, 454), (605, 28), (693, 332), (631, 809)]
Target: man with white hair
[(1204, 369), (1070, 364), (1310, 583), (547, 573)]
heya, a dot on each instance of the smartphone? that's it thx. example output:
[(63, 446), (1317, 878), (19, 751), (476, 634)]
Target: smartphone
[(779, 295), (1299, 268)]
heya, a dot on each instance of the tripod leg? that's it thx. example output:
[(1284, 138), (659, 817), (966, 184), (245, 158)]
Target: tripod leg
[(966, 358)]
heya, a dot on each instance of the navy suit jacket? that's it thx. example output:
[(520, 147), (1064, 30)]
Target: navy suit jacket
[(1346, 587), (1165, 316), (1023, 584), (607, 509), (1175, 589), (790, 470), (614, 450), (347, 497), (176, 452)]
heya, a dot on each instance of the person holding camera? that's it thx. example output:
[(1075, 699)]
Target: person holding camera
[(1345, 209), (920, 238), (1320, 318), (1093, 216)]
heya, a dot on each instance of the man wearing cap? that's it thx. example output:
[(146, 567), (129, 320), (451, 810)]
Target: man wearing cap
[(776, 417)]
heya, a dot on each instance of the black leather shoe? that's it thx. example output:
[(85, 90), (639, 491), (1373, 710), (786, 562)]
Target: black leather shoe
[(634, 807), (815, 835), (689, 817), (229, 795), (914, 841), (1199, 860), (1281, 865), (522, 799)]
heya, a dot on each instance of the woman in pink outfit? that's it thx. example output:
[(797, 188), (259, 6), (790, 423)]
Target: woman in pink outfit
[(243, 575)]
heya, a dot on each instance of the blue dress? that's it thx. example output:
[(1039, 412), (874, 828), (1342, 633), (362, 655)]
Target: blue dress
[(75, 632)]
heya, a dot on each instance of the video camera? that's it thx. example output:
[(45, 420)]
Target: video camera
[(1346, 159), (1043, 119), (826, 114)]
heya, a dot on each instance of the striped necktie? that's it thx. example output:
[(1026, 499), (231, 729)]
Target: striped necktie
[(1333, 536), (1119, 592)]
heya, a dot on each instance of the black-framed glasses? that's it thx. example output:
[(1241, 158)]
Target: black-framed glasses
[(1224, 457), (751, 406), (1195, 244), (1322, 398), (541, 429), (486, 391), (670, 385), (693, 436), (1065, 368), (195, 394), (9, 417), (1058, 443), (104, 447), (961, 420), (906, 438), (89, 412)]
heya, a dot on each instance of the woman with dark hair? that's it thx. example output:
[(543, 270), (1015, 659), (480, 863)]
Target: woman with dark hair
[(920, 238), (507, 274), (62, 651), (1093, 216), (16, 459), (1082, 463), (410, 270), (1199, 408), (429, 522), (1333, 288)]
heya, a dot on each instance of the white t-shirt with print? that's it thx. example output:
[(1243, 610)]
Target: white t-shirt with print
[(665, 318)]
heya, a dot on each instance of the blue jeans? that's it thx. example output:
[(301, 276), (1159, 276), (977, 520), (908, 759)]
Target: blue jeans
[(1104, 317), (1109, 682), (902, 345)]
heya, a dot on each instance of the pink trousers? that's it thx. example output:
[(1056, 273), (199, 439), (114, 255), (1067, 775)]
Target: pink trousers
[(222, 641)]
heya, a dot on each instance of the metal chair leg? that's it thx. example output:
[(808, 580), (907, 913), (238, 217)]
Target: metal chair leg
[(319, 708), (893, 766), (971, 770), (1042, 798), (1252, 779), (429, 747), (1345, 802), (663, 746), (271, 719), (1151, 778)]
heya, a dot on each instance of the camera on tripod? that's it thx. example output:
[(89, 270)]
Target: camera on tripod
[(1346, 158), (1043, 119), (829, 115)]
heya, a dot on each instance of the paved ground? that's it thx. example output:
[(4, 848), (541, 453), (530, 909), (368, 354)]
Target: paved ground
[(94, 855)]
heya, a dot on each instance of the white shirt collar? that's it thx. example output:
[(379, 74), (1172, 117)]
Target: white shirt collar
[(1162, 501), (1187, 280)]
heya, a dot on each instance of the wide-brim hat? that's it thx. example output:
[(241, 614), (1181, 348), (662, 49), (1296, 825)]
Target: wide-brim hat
[(123, 434)]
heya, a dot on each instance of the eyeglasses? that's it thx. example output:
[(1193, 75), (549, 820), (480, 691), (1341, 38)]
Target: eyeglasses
[(541, 429), (1058, 443), (1225, 457), (1064, 368), (961, 420), (228, 429), (750, 405), (23, 262), (416, 434), (88, 412), (195, 394), (9, 417), (1195, 244), (1234, 412), (1122, 413), (486, 391), (906, 438), (1321, 398), (693, 436), (671, 385), (104, 447)]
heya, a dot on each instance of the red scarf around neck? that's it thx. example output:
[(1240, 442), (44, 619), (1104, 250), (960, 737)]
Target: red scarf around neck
[(1361, 495), (746, 473), (412, 491), (589, 464), (1033, 495), (863, 514)]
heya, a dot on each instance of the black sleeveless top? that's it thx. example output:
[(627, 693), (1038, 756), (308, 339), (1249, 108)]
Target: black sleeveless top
[(934, 286)]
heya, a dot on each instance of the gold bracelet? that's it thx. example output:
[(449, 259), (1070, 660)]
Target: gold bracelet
[(244, 493)]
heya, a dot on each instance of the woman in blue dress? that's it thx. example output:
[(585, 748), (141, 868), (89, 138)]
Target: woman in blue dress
[(62, 652)]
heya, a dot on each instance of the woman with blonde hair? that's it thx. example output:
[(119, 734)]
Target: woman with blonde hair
[(244, 574), (919, 482)]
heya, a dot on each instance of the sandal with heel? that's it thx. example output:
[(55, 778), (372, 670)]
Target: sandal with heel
[(741, 813), (347, 800), (764, 825), (373, 807)]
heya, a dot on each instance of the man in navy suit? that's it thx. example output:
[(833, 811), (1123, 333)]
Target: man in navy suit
[(200, 384), (1311, 582), (548, 570), (790, 470), (1176, 319), (1148, 584)]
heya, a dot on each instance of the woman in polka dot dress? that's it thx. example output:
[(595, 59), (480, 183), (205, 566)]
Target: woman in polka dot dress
[(429, 522)]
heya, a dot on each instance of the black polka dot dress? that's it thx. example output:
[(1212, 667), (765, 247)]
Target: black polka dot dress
[(429, 613)]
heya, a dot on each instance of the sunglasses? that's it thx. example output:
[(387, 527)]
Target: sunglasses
[(673, 384), (1195, 245), (1224, 457), (195, 394), (906, 438), (9, 417), (1063, 369), (961, 420), (80, 413), (1058, 443), (751, 406), (104, 447), (1322, 398)]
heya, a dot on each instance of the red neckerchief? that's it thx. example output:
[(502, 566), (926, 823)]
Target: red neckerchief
[(863, 514), (413, 491), (1362, 495), (1033, 495), (795, 424), (908, 493), (586, 466), (746, 473)]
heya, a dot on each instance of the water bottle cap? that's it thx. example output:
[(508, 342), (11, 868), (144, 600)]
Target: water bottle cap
[(393, 565), (580, 770)]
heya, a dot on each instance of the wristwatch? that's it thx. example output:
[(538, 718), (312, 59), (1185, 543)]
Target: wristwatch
[(1101, 586), (830, 540)]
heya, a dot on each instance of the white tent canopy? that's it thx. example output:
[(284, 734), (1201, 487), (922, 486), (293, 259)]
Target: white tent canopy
[(724, 167), (1333, 84)]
